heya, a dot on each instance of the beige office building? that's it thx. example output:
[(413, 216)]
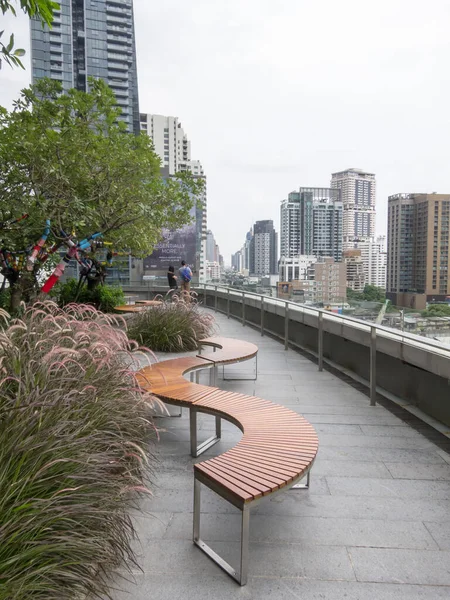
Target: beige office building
[(326, 282)]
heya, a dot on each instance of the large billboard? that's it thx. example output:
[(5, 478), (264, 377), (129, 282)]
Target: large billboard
[(176, 245)]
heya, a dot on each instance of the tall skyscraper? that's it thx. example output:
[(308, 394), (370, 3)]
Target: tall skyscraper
[(90, 38), (418, 247), (358, 191), (311, 223), (263, 249)]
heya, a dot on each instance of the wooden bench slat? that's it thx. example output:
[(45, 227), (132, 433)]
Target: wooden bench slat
[(256, 469), (241, 491), (253, 474), (239, 479)]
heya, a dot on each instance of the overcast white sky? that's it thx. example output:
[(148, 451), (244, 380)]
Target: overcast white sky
[(278, 95)]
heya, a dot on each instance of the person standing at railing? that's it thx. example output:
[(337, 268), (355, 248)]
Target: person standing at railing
[(185, 277), (172, 278)]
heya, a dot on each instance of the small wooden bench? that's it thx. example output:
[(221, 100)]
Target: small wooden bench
[(276, 452)]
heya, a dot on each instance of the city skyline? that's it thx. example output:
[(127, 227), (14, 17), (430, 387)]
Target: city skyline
[(309, 121)]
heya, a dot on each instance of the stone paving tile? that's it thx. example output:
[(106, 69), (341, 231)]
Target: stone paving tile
[(400, 470), (387, 488), (336, 590), (390, 430), (373, 441), (374, 525), (381, 454), (440, 532), (307, 531), (401, 566), (362, 419), (350, 469), (360, 507), (291, 560)]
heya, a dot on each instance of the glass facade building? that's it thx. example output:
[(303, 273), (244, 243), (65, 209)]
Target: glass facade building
[(311, 223), (90, 38)]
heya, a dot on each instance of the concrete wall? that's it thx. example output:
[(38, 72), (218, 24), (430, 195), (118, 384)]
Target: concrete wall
[(405, 368)]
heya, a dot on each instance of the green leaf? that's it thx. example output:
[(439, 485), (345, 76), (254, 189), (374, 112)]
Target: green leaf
[(10, 46)]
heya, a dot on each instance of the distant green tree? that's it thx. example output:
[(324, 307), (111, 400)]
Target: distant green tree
[(42, 9), (352, 295), (373, 293), (437, 310)]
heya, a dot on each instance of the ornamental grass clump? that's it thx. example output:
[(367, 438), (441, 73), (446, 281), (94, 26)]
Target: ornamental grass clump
[(75, 435), (173, 326)]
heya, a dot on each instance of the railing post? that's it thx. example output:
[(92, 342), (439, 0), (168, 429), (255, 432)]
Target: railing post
[(243, 309), (286, 325), (373, 365), (215, 298), (262, 316), (228, 304), (320, 341)]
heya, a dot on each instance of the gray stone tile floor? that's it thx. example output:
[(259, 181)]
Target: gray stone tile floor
[(375, 523)]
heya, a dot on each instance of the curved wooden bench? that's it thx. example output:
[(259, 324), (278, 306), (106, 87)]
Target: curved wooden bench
[(228, 351), (165, 380), (276, 451), (129, 308)]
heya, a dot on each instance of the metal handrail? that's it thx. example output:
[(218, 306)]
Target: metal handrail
[(385, 332)]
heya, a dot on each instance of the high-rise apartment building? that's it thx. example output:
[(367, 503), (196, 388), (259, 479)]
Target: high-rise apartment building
[(355, 272), (374, 257), (90, 38), (263, 249), (418, 247), (236, 261), (358, 192), (169, 139), (311, 223), (211, 247)]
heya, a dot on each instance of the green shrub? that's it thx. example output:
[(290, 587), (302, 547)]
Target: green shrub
[(104, 297), (74, 451), (172, 326), (5, 298)]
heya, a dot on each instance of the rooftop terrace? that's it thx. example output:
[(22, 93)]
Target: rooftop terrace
[(375, 523)]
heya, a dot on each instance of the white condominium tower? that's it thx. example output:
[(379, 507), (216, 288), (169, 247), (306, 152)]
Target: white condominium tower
[(358, 190), (169, 140)]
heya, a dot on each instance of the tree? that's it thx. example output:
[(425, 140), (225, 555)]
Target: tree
[(372, 293), (41, 9), (67, 158), (437, 310), (352, 295)]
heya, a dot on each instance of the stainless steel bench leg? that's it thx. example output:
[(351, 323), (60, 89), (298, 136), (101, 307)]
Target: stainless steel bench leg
[(197, 449), (242, 576), (241, 378), (213, 376), (245, 537), (303, 486)]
